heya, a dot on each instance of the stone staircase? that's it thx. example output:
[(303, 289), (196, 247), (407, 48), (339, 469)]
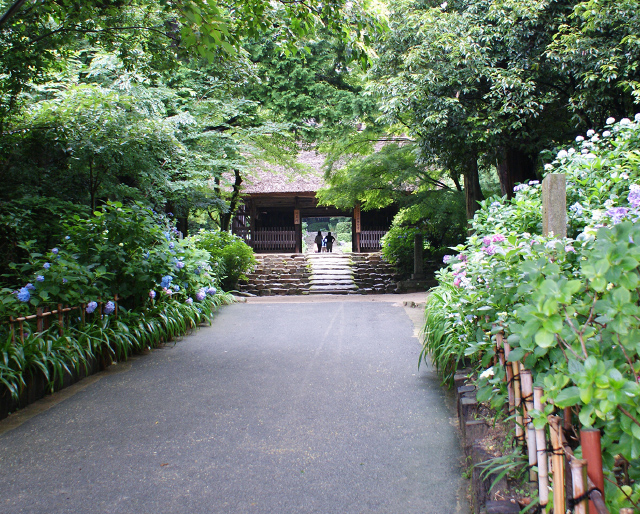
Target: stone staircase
[(331, 273), (319, 273), (277, 274)]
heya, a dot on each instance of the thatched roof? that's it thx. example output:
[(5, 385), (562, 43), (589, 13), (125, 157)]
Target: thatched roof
[(278, 179)]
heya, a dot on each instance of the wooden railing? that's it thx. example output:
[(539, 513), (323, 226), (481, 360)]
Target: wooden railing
[(370, 239), (275, 239), (43, 318)]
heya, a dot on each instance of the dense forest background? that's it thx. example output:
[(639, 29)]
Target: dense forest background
[(173, 103)]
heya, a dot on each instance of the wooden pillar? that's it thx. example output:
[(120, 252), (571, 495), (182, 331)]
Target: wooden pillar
[(357, 223), (297, 224), (252, 225), (554, 205)]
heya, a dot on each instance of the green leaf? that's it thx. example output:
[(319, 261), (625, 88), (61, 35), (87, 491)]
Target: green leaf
[(545, 339), (516, 354), (568, 397)]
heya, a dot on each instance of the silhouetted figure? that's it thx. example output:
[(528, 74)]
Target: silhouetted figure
[(318, 241), (329, 241)]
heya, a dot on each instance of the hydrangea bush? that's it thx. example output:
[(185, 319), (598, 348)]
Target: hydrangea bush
[(569, 307)]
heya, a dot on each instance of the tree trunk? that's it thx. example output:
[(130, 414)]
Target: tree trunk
[(514, 166), (472, 191), (225, 218)]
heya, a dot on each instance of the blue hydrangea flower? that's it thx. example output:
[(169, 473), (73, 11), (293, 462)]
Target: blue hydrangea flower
[(46, 265), (109, 308), (64, 281), (30, 286), (40, 278), (54, 250), (189, 300), (211, 290), (176, 288), (91, 306), (166, 281), (200, 295), (171, 245), (24, 295), (67, 237)]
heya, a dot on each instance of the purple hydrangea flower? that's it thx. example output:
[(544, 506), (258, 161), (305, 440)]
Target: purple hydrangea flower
[(634, 195), (40, 278), (30, 286), (447, 258), (569, 248), (486, 240), (200, 295), (179, 264), (91, 306), (189, 300), (211, 290), (490, 250), (617, 214), (64, 281), (498, 238), (23, 294), (54, 251), (152, 294), (46, 265), (109, 308), (462, 257)]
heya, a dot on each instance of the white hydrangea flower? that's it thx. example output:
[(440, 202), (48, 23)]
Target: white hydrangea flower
[(625, 121), (571, 151), (611, 120), (637, 117), (562, 154), (548, 167), (579, 139), (591, 133), (606, 133), (487, 373)]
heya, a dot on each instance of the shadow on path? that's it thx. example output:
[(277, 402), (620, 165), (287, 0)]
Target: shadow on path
[(277, 408)]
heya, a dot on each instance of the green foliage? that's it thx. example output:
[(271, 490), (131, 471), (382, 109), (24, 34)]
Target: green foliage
[(569, 307), (36, 219), (230, 255), (440, 219)]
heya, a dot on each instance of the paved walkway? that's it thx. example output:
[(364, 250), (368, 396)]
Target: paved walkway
[(315, 406)]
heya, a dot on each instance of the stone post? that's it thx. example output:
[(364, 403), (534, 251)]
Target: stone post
[(554, 205), (418, 264)]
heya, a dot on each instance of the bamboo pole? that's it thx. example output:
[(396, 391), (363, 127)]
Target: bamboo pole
[(518, 402), (592, 453), (579, 476), (595, 496), (526, 381), (557, 459), (509, 373), (541, 450)]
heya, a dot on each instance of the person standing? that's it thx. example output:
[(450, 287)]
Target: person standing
[(329, 240), (318, 241)]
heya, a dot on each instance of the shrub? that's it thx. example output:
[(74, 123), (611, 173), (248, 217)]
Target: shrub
[(441, 220), (229, 254), (570, 307)]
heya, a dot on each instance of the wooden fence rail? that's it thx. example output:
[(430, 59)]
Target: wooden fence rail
[(43, 318), (370, 239), (276, 238)]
